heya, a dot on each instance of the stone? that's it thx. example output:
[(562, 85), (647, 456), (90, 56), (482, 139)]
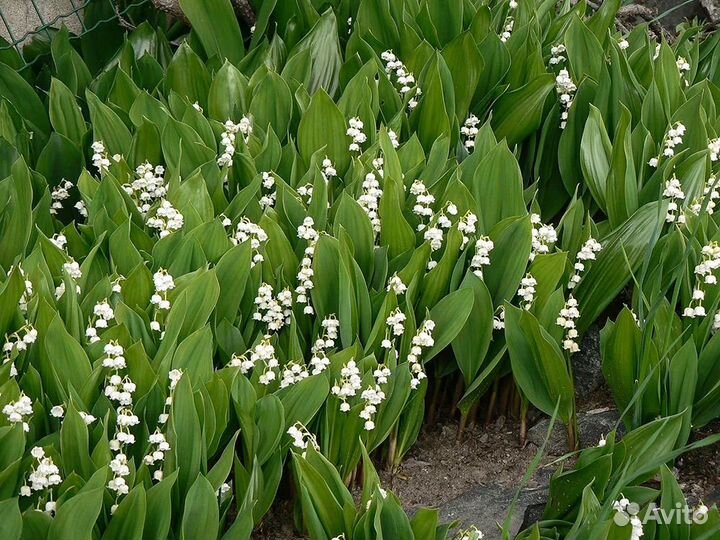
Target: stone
[(486, 507), (713, 9), (674, 12), (587, 364), (22, 18), (591, 427)]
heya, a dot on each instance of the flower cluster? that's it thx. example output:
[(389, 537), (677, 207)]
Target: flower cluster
[(421, 340), (148, 186), (159, 446), (499, 319), (587, 252), (710, 195), (59, 194), (566, 320), (393, 138), (273, 311), (557, 54), (100, 158), (319, 360), (72, 269), (27, 292), (630, 511), (114, 356), (543, 236), (45, 474), (167, 219), (293, 373), (527, 290), (373, 396), (17, 411), (469, 131), (507, 29), (483, 247), (565, 88), (264, 351), (403, 78), (19, 341), (328, 170), (227, 140), (396, 327), (355, 132), (684, 68), (434, 235), (247, 230), (305, 274), (423, 202), (673, 190), (267, 200), (471, 534), (302, 437), (673, 138), (103, 313), (163, 283), (120, 469), (714, 148), (467, 226), (705, 275), (395, 284), (348, 385), (369, 201), (120, 389)]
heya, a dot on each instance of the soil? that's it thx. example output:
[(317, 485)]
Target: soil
[(439, 468), (698, 472)]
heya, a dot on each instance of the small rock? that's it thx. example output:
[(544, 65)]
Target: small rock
[(486, 506), (587, 363), (713, 9), (533, 514), (591, 428), (413, 463)]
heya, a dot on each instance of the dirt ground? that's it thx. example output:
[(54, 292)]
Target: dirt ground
[(439, 469)]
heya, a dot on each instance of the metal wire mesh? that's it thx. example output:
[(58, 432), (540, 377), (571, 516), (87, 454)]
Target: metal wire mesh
[(41, 15)]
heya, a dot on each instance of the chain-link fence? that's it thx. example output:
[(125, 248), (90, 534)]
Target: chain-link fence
[(22, 20)]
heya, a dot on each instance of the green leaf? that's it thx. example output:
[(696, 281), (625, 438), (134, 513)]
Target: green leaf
[(472, 342), (272, 104), (228, 94), (619, 344), (27, 103), (74, 444), (623, 251), (538, 365), (595, 156), (107, 126), (216, 25), (450, 315), (509, 258), (129, 518), (11, 523), (201, 519), (65, 114), (497, 187), (322, 127), (76, 516), (519, 113), (436, 108)]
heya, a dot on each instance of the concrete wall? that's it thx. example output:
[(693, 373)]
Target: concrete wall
[(21, 17)]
